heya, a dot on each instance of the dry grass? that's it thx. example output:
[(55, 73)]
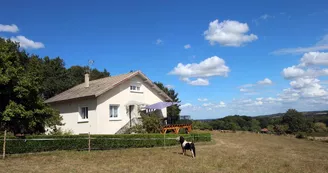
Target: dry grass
[(229, 152)]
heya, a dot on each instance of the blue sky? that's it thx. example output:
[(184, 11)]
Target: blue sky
[(247, 58)]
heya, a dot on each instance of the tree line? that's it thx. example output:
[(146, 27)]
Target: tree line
[(291, 122)]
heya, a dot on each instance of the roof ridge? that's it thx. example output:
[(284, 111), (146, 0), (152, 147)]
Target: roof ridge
[(100, 86), (108, 77)]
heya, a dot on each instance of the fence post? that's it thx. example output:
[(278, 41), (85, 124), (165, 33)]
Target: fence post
[(89, 143), (164, 140), (4, 145)]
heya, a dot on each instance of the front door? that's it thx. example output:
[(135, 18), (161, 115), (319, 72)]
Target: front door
[(130, 113)]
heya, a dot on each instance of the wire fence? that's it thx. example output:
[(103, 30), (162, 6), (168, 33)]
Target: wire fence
[(81, 143)]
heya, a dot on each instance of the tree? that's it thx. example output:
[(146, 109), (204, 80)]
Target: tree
[(264, 122), (218, 125), (96, 74), (296, 121), (76, 75), (201, 125), (255, 125), (22, 109), (270, 128), (172, 111), (151, 123), (280, 129), (233, 126), (54, 76), (320, 127)]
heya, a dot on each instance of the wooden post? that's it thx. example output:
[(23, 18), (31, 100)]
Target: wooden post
[(164, 140), (89, 142), (4, 145)]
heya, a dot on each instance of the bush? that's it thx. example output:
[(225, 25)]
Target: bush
[(39, 143), (301, 135), (59, 131), (320, 127)]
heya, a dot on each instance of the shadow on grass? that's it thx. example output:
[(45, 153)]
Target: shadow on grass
[(187, 155)]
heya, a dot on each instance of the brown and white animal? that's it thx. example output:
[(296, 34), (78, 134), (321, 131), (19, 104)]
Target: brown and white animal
[(185, 145)]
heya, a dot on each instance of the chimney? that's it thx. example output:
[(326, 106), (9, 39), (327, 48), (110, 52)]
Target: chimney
[(86, 79)]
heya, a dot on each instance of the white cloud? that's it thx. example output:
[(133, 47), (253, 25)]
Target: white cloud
[(208, 104), (221, 105), (26, 43), (296, 72), (292, 72), (265, 81), (319, 46), (308, 87), (259, 98), (169, 86), (197, 82), (186, 105), (263, 17), (213, 66), (266, 16), (213, 106), (314, 58), (228, 33), (202, 99), (187, 46), (8, 28), (247, 85), (258, 103), (305, 83), (243, 90), (159, 41), (209, 109), (249, 89)]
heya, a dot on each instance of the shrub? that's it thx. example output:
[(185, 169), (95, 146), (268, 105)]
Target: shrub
[(320, 127), (136, 129), (300, 135), (39, 143), (59, 132)]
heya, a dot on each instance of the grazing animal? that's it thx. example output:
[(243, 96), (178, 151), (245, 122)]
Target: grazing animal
[(185, 145)]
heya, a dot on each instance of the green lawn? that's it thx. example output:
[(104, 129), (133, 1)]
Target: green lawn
[(229, 152)]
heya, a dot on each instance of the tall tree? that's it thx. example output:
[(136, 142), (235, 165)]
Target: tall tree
[(76, 74), (172, 111), (22, 109), (96, 74), (296, 121), (54, 77)]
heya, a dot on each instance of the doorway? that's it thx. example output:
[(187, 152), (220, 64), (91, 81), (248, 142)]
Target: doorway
[(131, 107)]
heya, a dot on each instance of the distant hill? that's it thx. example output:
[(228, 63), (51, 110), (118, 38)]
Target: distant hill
[(306, 113), (317, 114)]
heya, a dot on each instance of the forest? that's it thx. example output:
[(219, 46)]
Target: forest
[(290, 122)]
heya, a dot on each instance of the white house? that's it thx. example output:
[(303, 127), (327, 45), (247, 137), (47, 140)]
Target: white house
[(107, 105)]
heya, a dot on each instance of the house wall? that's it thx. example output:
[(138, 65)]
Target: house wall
[(99, 121), (69, 110), (121, 95)]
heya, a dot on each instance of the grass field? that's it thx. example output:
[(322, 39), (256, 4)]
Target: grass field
[(229, 152)]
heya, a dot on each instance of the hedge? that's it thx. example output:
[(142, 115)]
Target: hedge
[(40, 143)]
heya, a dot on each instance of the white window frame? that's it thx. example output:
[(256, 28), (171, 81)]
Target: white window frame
[(80, 118), (135, 87), (118, 112)]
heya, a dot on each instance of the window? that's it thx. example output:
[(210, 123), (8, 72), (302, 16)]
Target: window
[(113, 111), (84, 113), (135, 88)]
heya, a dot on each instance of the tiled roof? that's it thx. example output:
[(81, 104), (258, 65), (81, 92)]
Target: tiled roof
[(100, 86)]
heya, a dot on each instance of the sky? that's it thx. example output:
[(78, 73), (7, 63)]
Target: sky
[(222, 58)]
